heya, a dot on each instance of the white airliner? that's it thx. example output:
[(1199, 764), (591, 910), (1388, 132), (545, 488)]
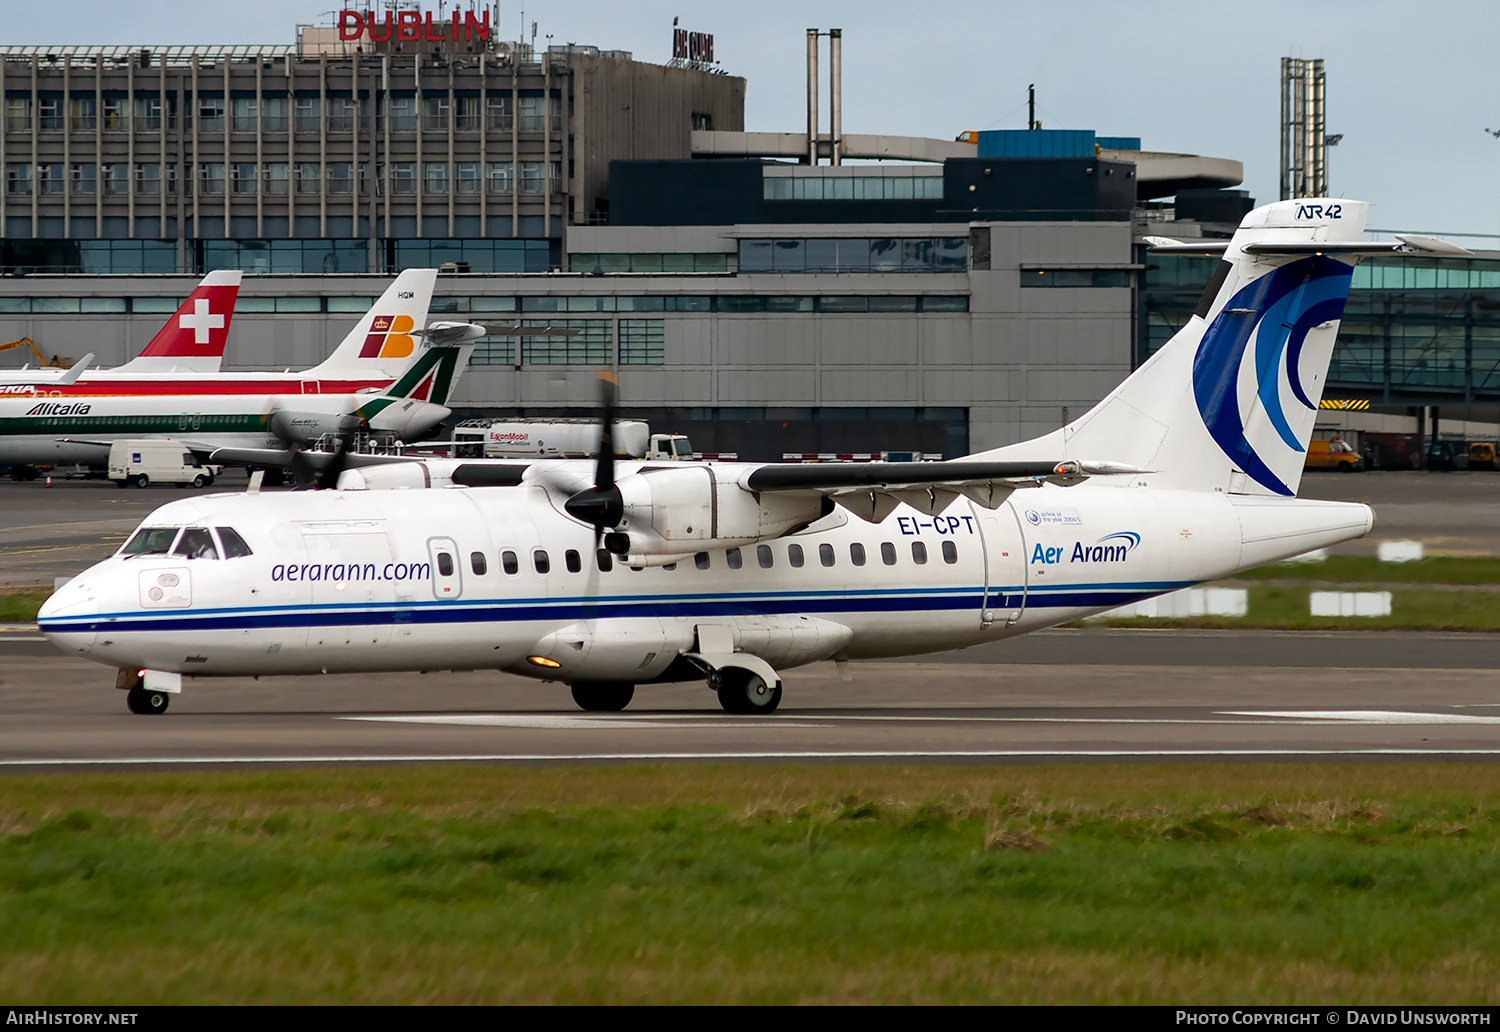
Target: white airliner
[(384, 375), (729, 572), (191, 341)]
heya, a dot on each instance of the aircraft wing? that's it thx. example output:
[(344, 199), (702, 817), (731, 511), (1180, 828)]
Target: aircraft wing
[(280, 458), (871, 490)]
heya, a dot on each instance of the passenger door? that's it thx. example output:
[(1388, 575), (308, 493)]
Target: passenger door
[(1004, 566), (447, 573)]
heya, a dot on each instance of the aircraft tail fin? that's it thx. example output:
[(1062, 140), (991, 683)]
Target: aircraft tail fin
[(193, 339), (1228, 404), (381, 345)]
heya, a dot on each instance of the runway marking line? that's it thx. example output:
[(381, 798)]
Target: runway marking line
[(654, 757), (1367, 716), (695, 720)]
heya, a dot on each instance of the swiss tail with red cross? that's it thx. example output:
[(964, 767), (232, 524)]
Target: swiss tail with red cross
[(193, 339)]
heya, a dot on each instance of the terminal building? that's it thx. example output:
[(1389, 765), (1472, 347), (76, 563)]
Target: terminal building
[(910, 294)]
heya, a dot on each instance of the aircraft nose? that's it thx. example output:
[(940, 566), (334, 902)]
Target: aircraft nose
[(67, 618)]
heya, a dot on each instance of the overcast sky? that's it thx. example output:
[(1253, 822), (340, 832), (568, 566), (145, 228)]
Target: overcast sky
[(1407, 82)]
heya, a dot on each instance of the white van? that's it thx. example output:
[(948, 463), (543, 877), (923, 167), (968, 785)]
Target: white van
[(150, 461)]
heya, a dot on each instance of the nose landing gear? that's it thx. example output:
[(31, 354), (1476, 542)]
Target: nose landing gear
[(142, 701), (138, 697)]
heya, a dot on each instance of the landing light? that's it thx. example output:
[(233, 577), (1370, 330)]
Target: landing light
[(543, 661)]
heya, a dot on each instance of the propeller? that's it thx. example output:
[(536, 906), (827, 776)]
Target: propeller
[(601, 506), (310, 475)]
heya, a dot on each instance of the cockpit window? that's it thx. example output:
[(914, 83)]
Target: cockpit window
[(234, 545), (151, 541), (196, 543)]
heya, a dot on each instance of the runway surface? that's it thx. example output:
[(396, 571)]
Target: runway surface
[(1056, 696)]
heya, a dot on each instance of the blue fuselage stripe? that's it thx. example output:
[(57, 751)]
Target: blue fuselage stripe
[(512, 610)]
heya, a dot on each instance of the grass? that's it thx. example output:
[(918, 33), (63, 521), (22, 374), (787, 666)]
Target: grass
[(1284, 606), (1344, 569), (21, 606), (765, 884)]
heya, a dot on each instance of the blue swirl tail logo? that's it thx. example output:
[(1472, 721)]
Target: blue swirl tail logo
[(1276, 311)]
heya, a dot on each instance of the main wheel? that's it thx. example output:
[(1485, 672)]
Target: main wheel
[(740, 691), (140, 480), (602, 696), (140, 700)]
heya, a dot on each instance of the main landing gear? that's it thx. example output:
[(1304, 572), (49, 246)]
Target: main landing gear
[(602, 696), (745, 692), (741, 690)]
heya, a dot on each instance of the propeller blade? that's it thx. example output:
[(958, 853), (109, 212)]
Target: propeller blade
[(604, 469), (601, 506)]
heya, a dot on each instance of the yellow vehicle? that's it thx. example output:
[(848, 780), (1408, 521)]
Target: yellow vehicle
[(55, 362), (1482, 455), (1333, 454)]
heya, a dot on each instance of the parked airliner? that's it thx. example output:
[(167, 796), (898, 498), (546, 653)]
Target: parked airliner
[(729, 572), (388, 372), (191, 341)]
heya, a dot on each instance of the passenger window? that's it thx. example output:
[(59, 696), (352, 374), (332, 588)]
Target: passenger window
[(918, 552), (734, 558), (888, 553), (670, 566), (445, 564), (234, 545), (477, 563), (573, 560), (950, 552), (764, 556), (540, 561), (825, 555), (606, 560), (151, 541), (196, 543), (509, 563), (701, 560), (857, 554), (794, 555)]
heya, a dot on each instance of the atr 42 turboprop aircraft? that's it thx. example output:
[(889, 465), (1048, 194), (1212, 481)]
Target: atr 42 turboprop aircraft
[(391, 374), (729, 572), (191, 341)]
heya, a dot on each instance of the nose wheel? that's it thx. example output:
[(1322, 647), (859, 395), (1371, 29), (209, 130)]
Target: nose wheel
[(140, 700)]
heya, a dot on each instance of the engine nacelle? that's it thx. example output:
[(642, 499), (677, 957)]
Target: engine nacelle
[(306, 427), (410, 418), (693, 508)]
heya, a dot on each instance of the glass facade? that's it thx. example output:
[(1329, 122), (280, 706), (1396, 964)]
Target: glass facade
[(674, 263), (484, 256), (853, 188), (1075, 278), (1413, 328), (641, 341), (587, 344), (283, 256), (855, 254)]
